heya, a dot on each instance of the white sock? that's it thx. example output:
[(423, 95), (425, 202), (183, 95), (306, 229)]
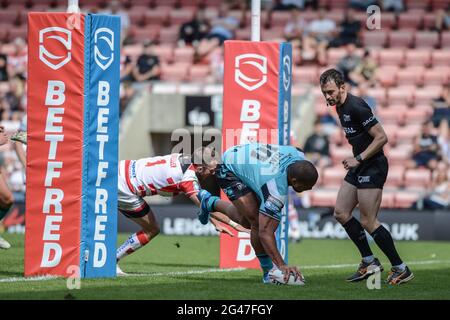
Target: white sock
[(133, 243)]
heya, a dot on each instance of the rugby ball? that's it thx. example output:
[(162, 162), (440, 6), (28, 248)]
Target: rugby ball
[(276, 276)]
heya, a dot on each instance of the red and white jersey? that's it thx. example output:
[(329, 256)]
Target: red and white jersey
[(159, 175)]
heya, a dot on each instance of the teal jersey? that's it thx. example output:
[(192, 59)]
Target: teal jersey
[(263, 168)]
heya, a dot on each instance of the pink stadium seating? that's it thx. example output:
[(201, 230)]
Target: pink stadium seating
[(417, 115), (181, 16), (388, 20), (388, 199), (199, 72), (429, 20), (400, 95), (411, 75), (169, 35), (375, 38), (396, 171), (436, 76), (410, 20), (445, 39), (406, 135), (9, 16), (137, 17), (243, 34), (184, 54), (338, 154), (308, 74), (387, 75), (174, 72), (147, 33), (441, 57), (165, 53), (417, 178), (427, 39), (394, 57), (280, 18), (335, 54), (323, 198), (158, 16), (391, 115), (405, 199), (417, 4), (426, 95), (332, 177), (379, 93), (421, 57), (439, 4), (401, 39)]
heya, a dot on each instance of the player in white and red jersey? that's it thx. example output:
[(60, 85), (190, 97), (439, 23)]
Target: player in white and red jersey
[(166, 176)]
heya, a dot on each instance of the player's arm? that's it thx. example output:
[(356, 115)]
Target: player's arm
[(379, 140)]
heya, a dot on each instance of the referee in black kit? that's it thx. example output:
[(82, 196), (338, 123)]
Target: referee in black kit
[(364, 181)]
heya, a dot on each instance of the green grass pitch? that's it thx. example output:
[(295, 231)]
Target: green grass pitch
[(182, 267)]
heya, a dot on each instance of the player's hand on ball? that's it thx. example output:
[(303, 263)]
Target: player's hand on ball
[(291, 270), (350, 163)]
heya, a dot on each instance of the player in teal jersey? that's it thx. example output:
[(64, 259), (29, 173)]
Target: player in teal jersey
[(256, 177)]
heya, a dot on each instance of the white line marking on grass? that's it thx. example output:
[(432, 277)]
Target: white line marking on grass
[(39, 278), (213, 270)]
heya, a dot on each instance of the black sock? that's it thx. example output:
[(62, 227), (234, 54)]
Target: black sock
[(384, 240), (356, 232)]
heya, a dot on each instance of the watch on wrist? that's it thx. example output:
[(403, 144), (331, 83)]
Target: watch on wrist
[(358, 158)]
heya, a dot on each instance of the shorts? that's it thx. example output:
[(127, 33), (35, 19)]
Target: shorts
[(371, 174), (130, 205), (233, 187)]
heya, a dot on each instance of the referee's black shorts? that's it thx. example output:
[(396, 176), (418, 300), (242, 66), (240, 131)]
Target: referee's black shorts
[(371, 174)]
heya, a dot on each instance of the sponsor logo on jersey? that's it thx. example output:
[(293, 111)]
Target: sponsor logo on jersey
[(349, 130), (347, 117), (363, 179), (365, 123)]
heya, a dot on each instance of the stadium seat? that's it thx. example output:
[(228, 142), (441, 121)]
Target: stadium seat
[(199, 72), (323, 198), (445, 40), (405, 199), (18, 32), (417, 4), (243, 34), (441, 57), (211, 13), (400, 95), (439, 4), (158, 16), (426, 94), (410, 20), (4, 32), (180, 16), (336, 138), (395, 57), (133, 51), (374, 38), (9, 17), (411, 75), (417, 178), (379, 93), (338, 154), (416, 115), (396, 171), (406, 135), (137, 18), (272, 34), (387, 75), (147, 33), (169, 35), (280, 18), (390, 115), (388, 199), (401, 39), (426, 39), (436, 76), (174, 72), (421, 57), (308, 74), (164, 52), (184, 54), (388, 20), (429, 21)]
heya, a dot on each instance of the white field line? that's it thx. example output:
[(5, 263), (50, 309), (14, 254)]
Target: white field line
[(213, 270)]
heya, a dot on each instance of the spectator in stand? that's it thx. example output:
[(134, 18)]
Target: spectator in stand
[(222, 28), (115, 8), (17, 62), (362, 5), (393, 5), (349, 63), (294, 4), (443, 19), (371, 101), (126, 68), (349, 30), (441, 107), (426, 149), (317, 147), (3, 65), (192, 32), (364, 72), (320, 32), (295, 28), (438, 198), (147, 67), (444, 141)]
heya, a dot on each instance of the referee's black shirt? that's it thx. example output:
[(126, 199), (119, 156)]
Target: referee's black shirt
[(356, 119)]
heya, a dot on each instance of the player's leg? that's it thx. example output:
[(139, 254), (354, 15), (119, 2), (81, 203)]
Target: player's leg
[(369, 205), (345, 203), (6, 201), (145, 218)]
